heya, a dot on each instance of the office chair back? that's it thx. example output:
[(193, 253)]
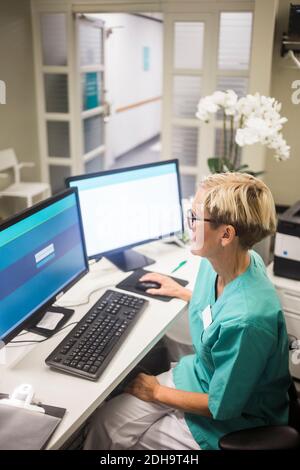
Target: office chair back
[(269, 437), (8, 159)]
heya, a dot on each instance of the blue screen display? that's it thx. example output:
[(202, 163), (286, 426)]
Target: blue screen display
[(40, 255)]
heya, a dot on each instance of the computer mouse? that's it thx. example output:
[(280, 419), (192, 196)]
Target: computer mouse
[(145, 285)]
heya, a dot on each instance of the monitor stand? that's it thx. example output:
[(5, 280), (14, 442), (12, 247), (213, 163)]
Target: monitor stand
[(47, 332), (129, 260), (174, 240)]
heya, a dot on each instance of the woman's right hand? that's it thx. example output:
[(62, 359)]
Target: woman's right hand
[(168, 287)]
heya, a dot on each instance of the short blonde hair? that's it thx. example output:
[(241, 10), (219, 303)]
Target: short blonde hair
[(243, 201)]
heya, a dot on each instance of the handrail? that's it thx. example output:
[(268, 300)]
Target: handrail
[(137, 104)]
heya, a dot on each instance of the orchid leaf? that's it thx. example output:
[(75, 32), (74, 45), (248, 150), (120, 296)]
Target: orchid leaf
[(228, 164), (215, 164), (223, 165), (242, 167), (253, 173)]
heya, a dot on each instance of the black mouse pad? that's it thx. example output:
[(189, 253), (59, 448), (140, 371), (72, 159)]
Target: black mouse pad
[(129, 284)]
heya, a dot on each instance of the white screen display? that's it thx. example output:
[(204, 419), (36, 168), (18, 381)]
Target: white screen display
[(129, 207)]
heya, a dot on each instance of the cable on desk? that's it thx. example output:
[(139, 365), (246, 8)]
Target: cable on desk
[(66, 305)]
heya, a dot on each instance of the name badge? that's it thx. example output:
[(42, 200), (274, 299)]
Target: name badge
[(206, 317)]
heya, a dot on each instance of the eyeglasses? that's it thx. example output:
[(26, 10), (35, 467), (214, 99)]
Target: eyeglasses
[(192, 219)]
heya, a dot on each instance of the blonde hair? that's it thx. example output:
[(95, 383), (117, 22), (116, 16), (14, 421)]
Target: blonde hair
[(243, 201)]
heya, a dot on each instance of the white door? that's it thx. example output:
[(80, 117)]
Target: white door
[(69, 66), (202, 54), (188, 75), (91, 62)]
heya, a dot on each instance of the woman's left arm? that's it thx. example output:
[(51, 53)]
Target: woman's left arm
[(147, 388)]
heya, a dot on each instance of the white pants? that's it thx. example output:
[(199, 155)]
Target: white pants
[(126, 422)]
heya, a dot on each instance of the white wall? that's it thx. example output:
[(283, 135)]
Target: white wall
[(18, 122), (283, 177), (127, 83)]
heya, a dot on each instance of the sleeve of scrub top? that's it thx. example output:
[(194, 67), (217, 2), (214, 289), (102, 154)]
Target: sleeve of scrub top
[(240, 356)]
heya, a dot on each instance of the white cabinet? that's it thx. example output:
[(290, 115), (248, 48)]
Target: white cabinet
[(289, 293)]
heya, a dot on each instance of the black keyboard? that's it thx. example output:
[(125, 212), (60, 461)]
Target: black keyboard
[(88, 348)]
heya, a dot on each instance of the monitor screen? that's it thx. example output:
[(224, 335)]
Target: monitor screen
[(42, 253), (129, 206)]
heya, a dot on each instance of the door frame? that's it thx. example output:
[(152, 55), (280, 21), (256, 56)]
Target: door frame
[(72, 70)]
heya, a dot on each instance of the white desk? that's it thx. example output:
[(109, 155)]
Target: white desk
[(81, 397), (289, 294)]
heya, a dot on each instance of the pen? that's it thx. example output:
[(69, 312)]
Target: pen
[(179, 266)]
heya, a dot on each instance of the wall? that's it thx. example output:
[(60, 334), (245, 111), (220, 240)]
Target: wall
[(261, 69), (18, 126), (127, 83), (283, 177)]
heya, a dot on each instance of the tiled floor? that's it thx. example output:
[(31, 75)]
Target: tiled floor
[(148, 152)]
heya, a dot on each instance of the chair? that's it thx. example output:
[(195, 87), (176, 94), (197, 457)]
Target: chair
[(269, 437), (27, 190)]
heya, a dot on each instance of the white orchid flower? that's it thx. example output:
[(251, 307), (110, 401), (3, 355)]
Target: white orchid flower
[(230, 105), (219, 98), (206, 107), (246, 136), (254, 119)]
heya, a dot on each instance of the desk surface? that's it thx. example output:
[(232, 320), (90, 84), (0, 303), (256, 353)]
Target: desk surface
[(81, 397)]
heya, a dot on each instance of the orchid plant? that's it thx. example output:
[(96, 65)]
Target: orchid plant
[(247, 120)]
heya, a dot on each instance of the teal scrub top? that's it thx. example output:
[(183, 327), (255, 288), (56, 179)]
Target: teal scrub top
[(241, 358)]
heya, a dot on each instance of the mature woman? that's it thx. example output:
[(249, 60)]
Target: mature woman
[(238, 376)]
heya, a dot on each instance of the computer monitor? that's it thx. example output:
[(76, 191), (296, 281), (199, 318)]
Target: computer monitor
[(42, 254), (128, 207)]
